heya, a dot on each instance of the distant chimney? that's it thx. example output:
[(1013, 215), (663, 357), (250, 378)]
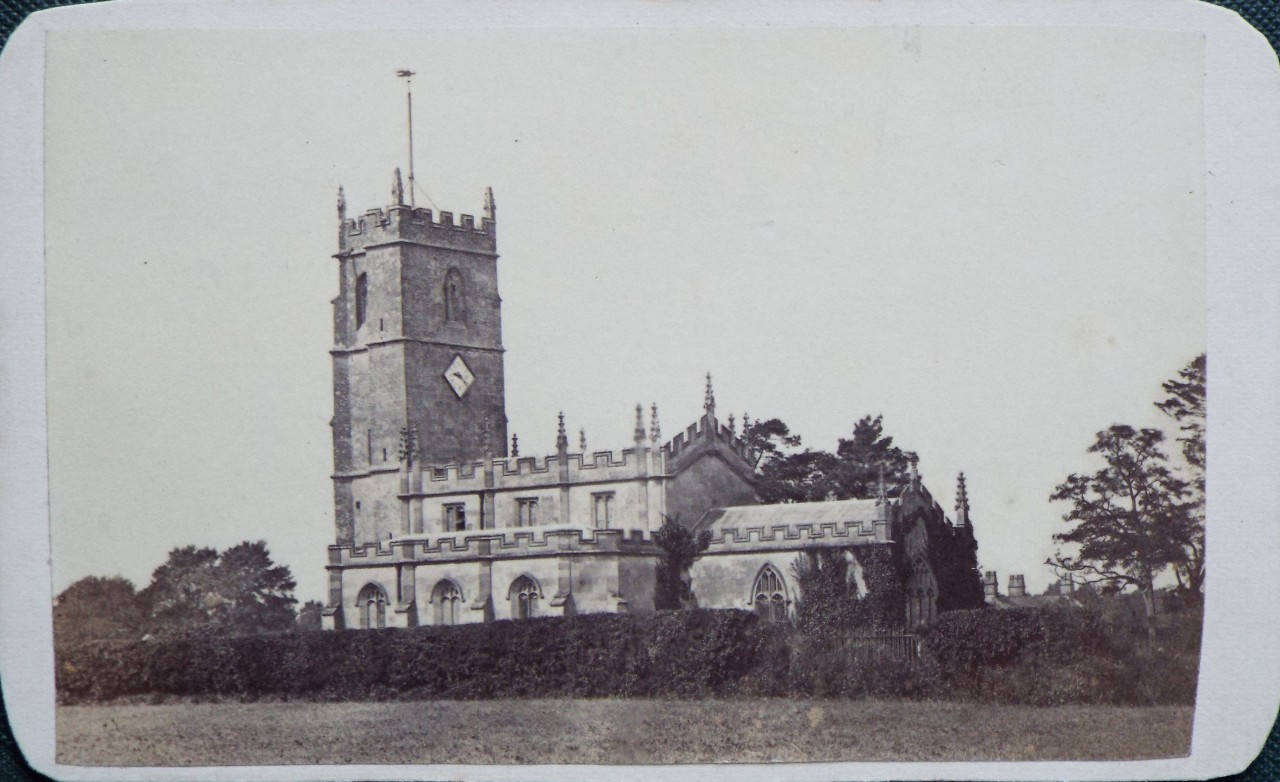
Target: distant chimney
[(1017, 586), (990, 585)]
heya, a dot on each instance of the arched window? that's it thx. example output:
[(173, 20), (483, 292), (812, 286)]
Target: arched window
[(524, 597), (453, 296), (362, 298), (371, 604), (447, 598), (769, 595)]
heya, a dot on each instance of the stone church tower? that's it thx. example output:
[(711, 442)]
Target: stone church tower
[(417, 354), (437, 524)]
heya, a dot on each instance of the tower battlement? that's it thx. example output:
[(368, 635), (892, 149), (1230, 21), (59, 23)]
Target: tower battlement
[(418, 330), (418, 225)]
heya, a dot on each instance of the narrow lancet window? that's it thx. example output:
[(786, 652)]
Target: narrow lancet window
[(362, 298), (453, 296)]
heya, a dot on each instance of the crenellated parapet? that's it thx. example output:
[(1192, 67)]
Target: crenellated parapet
[(494, 544), (705, 430), (516, 472), (418, 225), (800, 534), (800, 525)]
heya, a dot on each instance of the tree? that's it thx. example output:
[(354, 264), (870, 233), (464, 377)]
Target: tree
[(767, 439), (310, 616), (831, 603), (853, 471), (828, 600), (680, 548), (1128, 517), (257, 593), (95, 609), (806, 476), (866, 456), (183, 590), (1185, 403), (784, 475), (240, 590)]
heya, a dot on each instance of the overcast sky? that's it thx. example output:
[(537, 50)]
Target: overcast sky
[(993, 237)]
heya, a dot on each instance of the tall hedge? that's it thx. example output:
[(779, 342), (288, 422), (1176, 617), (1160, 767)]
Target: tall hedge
[(686, 653), (1042, 657), (1053, 656)]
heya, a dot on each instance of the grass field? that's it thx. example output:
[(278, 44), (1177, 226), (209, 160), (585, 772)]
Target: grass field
[(610, 731)]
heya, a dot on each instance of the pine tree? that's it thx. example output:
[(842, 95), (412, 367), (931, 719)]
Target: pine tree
[(1185, 403), (1129, 521)]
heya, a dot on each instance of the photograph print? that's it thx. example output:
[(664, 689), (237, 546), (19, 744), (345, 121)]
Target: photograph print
[(625, 395)]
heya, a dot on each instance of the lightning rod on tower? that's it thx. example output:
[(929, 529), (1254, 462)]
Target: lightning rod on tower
[(407, 75)]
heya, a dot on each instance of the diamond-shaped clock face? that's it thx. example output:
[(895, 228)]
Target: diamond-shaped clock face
[(459, 376)]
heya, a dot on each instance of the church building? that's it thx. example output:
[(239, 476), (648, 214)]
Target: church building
[(439, 519)]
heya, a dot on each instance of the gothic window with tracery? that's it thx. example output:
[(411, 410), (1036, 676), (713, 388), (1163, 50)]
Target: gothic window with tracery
[(371, 604), (770, 599), (453, 296), (448, 599), (524, 597)]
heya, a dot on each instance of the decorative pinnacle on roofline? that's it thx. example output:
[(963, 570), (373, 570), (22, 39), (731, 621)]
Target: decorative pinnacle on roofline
[(342, 204), (582, 440), (655, 429), (408, 444), (962, 501), (639, 433), (397, 189), (562, 439), (490, 206), (709, 399), (515, 444)]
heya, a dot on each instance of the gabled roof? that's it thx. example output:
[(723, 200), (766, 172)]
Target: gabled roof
[(831, 512), (708, 436)]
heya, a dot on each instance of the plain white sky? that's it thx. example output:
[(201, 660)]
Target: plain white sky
[(993, 237)]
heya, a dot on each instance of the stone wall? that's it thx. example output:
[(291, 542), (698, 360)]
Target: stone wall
[(568, 582), (388, 371), (726, 580)]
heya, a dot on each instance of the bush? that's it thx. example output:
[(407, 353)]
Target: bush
[(963, 642), (829, 667), (1034, 657), (679, 654), (1059, 655)]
